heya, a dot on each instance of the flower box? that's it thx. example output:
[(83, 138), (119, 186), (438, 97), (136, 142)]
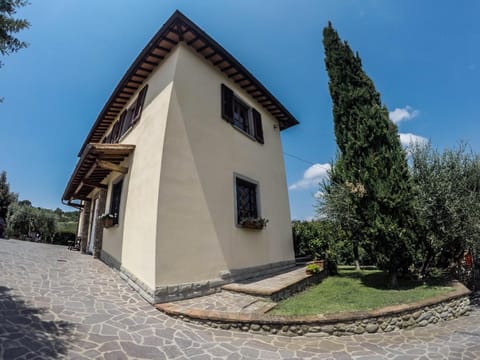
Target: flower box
[(253, 223), (107, 220)]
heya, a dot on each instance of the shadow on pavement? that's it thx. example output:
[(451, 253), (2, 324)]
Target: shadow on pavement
[(22, 331), (475, 299)]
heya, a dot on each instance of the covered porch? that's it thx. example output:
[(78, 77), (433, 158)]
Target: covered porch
[(87, 189)]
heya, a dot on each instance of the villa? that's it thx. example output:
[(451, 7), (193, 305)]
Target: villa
[(181, 180)]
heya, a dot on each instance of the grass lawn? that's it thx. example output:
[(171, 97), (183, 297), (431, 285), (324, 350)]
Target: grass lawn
[(352, 290)]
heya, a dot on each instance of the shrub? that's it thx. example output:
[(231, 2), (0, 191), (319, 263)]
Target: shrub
[(313, 268)]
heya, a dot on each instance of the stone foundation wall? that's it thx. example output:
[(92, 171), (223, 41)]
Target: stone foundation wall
[(201, 288), (442, 308), (143, 289), (176, 292)]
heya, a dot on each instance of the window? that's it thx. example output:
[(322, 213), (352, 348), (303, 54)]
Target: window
[(241, 118), (127, 119), (247, 199), (245, 118), (115, 201)]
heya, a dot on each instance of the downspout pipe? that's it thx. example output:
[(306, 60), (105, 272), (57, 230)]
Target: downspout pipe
[(74, 205)]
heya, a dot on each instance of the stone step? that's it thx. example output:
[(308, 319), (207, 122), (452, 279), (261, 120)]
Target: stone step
[(277, 287)]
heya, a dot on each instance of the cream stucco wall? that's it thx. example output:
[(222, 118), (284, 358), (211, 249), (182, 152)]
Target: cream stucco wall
[(197, 232), (133, 241), (177, 219)]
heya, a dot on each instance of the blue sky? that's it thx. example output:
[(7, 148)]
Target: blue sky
[(424, 57)]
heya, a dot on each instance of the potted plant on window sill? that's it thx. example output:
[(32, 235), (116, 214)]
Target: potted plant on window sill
[(107, 220), (253, 223)]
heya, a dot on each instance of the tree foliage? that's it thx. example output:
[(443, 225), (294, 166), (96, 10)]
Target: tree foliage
[(447, 203), (6, 197), (9, 26), (370, 175), (25, 221), (313, 237)]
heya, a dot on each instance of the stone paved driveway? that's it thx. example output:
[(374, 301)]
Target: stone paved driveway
[(59, 304)]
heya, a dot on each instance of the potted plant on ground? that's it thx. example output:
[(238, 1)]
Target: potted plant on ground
[(253, 223), (312, 269), (318, 261), (107, 220)]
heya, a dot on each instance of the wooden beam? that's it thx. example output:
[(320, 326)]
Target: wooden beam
[(173, 42), (241, 79), (150, 62), (179, 32), (79, 187), (226, 68), (100, 186), (156, 56), (90, 172), (144, 68), (212, 54), (111, 166), (193, 40), (159, 47), (201, 48)]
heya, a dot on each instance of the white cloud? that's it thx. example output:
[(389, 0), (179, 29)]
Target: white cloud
[(412, 139), (311, 177), (406, 113)]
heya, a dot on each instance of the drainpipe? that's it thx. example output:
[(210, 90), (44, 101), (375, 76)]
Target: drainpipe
[(69, 203)]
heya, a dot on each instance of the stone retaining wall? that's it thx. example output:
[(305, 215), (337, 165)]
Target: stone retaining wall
[(405, 316)]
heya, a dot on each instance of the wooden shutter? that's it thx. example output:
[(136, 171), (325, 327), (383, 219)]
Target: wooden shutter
[(227, 104), (257, 125), (115, 132), (139, 105), (108, 138), (129, 117), (123, 123), (115, 201)]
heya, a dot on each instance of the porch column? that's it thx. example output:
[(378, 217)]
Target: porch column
[(85, 225), (97, 245)]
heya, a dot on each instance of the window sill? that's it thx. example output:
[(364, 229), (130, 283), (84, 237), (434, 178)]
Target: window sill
[(251, 137), (251, 227), (129, 130)]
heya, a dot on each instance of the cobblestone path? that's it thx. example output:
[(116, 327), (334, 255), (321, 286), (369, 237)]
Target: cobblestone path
[(59, 304)]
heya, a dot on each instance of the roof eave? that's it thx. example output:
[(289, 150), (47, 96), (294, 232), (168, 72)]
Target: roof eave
[(285, 121)]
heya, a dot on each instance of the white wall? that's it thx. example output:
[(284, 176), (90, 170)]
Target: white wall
[(132, 242), (177, 219), (197, 234)]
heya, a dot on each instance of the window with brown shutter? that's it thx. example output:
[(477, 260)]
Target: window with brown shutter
[(115, 200), (123, 124), (108, 138), (243, 117), (139, 104), (129, 117), (257, 124), (115, 132), (227, 104)]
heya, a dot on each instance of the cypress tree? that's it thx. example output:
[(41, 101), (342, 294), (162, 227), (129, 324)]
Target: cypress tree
[(371, 164)]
